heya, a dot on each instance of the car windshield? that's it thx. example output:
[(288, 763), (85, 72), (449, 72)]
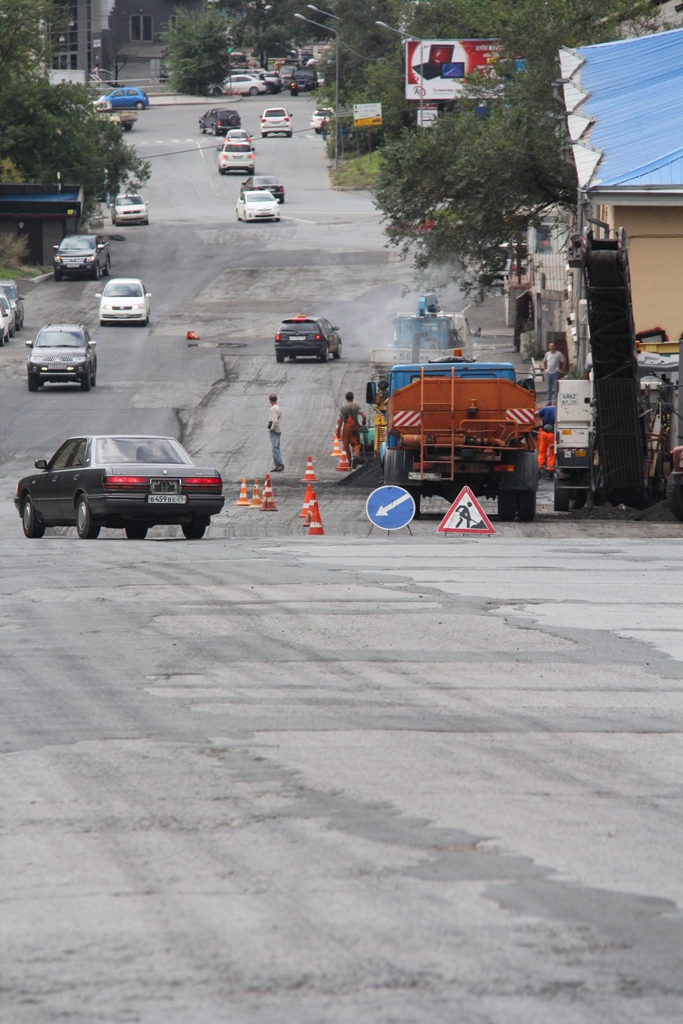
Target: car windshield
[(122, 290), (9, 290), (60, 339), (300, 326), (257, 197), (275, 113), (5, 303), (157, 450), (77, 242), (128, 200), (236, 147)]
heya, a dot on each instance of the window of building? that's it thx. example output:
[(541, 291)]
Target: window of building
[(141, 28)]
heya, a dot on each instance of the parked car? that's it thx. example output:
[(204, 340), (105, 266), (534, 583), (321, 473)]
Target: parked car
[(62, 354), (124, 483), (124, 298), (245, 84), (11, 290), (236, 156), (7, 313), (306, 79), (129, 210), (276, 121), (82, 254), (219, 121), (273, 81), (317, 118), (257, 206), (307, 336), (6, 319), (265, 183), (128, 97)]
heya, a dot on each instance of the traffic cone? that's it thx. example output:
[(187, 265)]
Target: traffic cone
[(307, 502), (268, 501), (343, 465), (191, 336), (336, 450), (311, 502), (309, 476), (316, 527), (256, 497), (243, 499)]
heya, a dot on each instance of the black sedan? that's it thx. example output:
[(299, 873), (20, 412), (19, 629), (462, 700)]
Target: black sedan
[(307, 336), (264, 183), (121, 482)]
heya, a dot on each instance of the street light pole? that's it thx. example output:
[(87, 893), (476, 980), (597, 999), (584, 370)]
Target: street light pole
[(383, 24), (327, 28)]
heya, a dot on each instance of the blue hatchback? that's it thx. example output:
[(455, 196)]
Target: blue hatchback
[(127, 97)]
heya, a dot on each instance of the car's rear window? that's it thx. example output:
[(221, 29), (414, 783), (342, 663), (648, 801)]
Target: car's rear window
[(222, 114), (300, 326), (60, 339), (275, 112), (260, 179), (237, 147), (155, 450)]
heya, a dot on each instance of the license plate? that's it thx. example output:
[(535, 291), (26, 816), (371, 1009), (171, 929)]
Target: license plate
[(297, 337), (167, 499)]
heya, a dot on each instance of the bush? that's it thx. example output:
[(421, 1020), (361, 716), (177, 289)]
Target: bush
[(13, 251)]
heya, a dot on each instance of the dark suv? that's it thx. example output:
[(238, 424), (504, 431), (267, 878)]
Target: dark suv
[(218, 122), (62, 353), (307, 336), (82, 254), (306, 79)]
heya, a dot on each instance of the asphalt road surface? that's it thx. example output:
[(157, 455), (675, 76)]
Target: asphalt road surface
[(338, 780)]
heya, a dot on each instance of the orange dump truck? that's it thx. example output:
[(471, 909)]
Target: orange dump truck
[(456, 423)]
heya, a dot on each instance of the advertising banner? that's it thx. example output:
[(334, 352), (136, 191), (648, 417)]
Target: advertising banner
[(435, 68), (367, 114)]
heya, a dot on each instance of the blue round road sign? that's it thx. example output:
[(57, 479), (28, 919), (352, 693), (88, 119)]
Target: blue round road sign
[(390, 507)]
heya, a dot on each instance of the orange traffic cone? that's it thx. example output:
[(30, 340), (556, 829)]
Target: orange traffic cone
[(268, 501), (313, 499), (309, 476), (316, 527), (307, 502), (343, 466), (256, 497), (243, 499), (336, 450), (191, 336)]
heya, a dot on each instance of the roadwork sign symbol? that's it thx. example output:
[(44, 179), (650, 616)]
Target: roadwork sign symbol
[(465, 516), (390, 507)]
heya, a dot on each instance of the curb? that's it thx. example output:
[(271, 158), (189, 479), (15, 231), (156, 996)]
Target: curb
[(177, 100), (351, 188), (37, 280)]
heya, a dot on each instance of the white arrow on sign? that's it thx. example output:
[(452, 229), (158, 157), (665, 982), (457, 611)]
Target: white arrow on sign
[(384, 510)]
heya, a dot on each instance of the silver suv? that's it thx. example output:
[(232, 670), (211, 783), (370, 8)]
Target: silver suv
[(62, 354), (11, 291)]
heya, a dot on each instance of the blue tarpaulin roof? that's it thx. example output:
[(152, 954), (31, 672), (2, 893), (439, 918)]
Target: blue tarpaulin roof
[(625, 105)]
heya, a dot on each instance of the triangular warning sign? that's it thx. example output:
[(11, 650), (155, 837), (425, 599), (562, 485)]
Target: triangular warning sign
[(465, 516)]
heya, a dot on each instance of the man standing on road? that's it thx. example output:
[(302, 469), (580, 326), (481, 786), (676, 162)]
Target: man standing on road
[(275, 433), (348, 425), (553, 364)]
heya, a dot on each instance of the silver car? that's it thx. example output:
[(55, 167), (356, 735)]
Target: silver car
[(129, 210), (11, 290)]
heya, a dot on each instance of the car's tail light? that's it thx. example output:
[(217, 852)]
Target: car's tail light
[(202, 483), (125, 483), (285, 119), (278, 337), (318, 337)]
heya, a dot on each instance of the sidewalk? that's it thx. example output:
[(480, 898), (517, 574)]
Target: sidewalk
[(497, 339), (178, 99)]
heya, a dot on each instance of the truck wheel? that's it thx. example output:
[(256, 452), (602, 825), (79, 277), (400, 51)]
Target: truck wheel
[(526, 506), (579, 499), (674, 494), (417, 496), (397, 465), (561, 501), (507, 506)]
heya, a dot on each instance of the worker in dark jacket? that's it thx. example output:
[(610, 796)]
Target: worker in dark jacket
[(348, 425)]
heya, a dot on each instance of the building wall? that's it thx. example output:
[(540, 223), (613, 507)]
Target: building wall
[(655, 251), (138, 61)]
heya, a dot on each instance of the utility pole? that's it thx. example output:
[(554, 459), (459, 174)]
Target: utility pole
[(327, 28), (397, 31)]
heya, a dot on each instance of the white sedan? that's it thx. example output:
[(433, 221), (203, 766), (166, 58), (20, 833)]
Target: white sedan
[(129, 210), (257, 206), (246, 85), (317, 118), (124, 298)]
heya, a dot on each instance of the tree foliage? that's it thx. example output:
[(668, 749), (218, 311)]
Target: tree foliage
[(196, 55)]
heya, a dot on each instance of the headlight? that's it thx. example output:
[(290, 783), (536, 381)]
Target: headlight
[(58, 259), (108, 307), (90, 259), (136, 305)]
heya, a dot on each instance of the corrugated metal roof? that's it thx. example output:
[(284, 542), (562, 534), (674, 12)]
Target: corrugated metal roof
[(634, 107)]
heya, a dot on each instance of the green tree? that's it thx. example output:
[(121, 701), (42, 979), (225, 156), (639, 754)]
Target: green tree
[(461, 191), (196, 54)]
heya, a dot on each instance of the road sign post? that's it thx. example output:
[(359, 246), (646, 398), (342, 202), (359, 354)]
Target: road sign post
[(390, 508)]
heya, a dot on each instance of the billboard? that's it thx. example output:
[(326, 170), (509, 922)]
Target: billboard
[(365, 115), (435, 68)]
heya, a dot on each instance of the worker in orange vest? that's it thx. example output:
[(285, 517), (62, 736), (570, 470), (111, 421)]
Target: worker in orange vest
[(545, 419)]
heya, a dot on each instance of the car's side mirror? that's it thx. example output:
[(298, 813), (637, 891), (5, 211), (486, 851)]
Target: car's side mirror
[(101, 245), (148, 295), (28, 343), (22, 297), (335, 328), (370, 392), (98, 295), (93, 342), (40, 463), (55, 247)]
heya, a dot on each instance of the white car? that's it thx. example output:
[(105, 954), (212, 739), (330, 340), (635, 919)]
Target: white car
[(246, 85), (257, 206), (6, 320), (236, 156), (124, 298), (276, 121), (239, 135), (129, 210), (318, 117)]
